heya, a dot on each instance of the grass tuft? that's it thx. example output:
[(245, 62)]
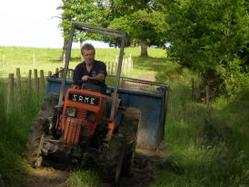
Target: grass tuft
[(83, 178)]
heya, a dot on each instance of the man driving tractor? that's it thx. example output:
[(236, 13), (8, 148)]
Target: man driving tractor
[(90, 70)]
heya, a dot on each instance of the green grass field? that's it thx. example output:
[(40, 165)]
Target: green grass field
[(205, 146), (49, 59)]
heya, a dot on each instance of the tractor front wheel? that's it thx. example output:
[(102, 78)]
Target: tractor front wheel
[(39, 129), (35, 141), (111, 161)]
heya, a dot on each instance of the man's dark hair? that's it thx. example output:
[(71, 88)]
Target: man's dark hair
[(87, 46)]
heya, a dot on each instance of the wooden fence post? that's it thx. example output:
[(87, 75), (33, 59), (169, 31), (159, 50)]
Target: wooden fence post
[(49, 73), (114, 70), (42, 78), (18, 79), (10, 91), (61, 72), (36, 80), (123, 67), (131, 63), (57, 72), (38, 84), (115, 66), (30, 79), (108, 67), (64, 59)]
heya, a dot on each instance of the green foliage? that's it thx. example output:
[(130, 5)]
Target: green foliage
[(82, 11), (142, 25), (142, 20), (207, 36)]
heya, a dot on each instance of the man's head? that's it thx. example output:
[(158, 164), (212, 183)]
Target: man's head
[(88, 53)]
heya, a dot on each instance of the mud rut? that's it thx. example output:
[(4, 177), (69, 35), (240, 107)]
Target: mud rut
[(146, 165)]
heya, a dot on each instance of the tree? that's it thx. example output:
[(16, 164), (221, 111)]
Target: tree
[(83, 11), (141, 19), (207, 35), (144, 27)]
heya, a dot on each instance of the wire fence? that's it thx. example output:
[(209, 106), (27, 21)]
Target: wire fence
[(35, 82)]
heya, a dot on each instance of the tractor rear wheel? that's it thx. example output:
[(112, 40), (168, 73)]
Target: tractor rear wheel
[(129, 127), (118, 157), (111, 161)]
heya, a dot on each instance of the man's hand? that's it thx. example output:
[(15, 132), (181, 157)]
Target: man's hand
[(85, 78)]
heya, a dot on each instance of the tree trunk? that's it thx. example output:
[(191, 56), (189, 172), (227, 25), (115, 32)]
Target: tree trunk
[(144, 47)]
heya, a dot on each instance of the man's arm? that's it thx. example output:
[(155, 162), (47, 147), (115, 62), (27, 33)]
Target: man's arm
[(77, 75), (100, 77), (101, 73)]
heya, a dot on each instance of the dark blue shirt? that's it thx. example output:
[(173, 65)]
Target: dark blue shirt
[(80, 70)]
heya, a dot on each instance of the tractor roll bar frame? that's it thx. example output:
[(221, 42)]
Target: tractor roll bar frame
[(96, 30)]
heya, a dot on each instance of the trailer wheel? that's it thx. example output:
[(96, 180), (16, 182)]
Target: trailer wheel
[(129, 127)]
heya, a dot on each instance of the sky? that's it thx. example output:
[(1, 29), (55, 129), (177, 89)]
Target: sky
[(31, 23)]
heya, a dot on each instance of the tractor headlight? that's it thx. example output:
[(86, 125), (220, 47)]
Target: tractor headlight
[(71, 112)]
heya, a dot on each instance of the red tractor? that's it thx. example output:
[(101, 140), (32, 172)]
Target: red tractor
[(85, 126), (92, 129)]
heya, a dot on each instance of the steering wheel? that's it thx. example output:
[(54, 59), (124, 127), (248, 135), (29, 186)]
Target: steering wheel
[(91, 85)]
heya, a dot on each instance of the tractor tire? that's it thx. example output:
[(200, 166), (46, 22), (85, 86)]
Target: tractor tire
[(111, 162), (39, 130), (35, 140), (118, 157), (129, 128)]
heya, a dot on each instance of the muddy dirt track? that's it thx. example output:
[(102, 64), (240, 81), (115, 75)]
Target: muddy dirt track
[(146, 165)]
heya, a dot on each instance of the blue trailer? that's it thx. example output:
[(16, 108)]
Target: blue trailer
[(150, 97)]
